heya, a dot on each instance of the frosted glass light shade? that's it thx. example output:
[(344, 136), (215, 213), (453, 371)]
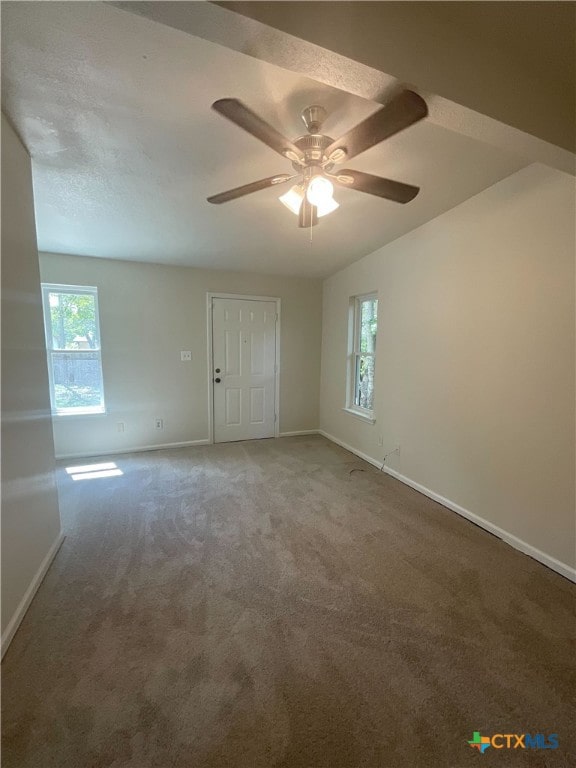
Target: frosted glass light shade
[(295, 195), (320, 190), (327, 207), (293, 199)]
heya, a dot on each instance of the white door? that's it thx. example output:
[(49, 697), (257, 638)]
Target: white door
[(243, 368)]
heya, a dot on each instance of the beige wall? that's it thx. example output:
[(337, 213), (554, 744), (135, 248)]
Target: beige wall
[(148, 314), (30, 515), (475, 357)]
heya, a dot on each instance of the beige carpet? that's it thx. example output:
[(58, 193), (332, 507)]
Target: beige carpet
[(260, 604)]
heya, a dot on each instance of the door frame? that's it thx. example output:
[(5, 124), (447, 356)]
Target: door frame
[(244, 297)]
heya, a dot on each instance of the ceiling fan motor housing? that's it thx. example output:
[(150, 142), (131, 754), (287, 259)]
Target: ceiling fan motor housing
[(314, 146)]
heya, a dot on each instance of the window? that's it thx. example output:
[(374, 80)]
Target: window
[(73, 343), (364, 319)]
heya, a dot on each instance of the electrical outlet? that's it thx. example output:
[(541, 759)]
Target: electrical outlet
[(120, 426), (159, 423), (185, 357), (380, 441)]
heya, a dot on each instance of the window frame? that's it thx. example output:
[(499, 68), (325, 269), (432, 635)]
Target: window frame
[(87, 290), (354, 353)]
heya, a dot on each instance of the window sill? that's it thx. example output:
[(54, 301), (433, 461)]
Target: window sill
[(74, 414), (360, 415)]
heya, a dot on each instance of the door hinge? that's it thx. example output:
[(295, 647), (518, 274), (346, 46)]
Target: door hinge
[(275, 417)]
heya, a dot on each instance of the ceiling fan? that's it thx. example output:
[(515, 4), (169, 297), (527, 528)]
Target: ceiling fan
[(314, 155)]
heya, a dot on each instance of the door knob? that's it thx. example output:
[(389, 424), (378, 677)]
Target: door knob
[(217, 380), (217, 370)]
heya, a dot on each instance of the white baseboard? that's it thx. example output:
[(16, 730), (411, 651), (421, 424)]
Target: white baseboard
[(299, 432), (135, 449), (551, 562), (350, 448), (509, 538), (161, 446), (20, 611)]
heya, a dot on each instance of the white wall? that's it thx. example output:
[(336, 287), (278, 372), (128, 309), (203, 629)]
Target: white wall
[(148, 314), (475, 357), (30, 515)]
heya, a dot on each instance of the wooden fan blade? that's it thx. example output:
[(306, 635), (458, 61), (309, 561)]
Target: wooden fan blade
[(308, 215), (247, 189), (404, 110), (249, 121), (376, 185)]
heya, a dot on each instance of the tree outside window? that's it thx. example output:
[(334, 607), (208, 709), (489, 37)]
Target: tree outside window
[(73, 342), (364, 352)]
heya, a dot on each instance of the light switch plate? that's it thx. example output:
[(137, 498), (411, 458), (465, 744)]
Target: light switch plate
[(185, 357)]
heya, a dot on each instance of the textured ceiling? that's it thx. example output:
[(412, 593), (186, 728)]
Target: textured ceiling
[(115, 111)]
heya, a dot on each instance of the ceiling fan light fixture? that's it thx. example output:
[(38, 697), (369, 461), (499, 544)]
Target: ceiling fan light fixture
[(313, 156), (293, 199), (320, 191)]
